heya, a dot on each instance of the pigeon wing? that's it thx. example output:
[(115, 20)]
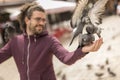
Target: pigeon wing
[(97, 11), (77, 14)]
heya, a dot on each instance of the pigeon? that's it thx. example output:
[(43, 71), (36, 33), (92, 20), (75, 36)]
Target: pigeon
[(78, 18), (88, 18), (110, 72), (99, 75), (9, 31)]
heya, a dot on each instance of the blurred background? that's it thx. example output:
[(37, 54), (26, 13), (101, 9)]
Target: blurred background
[(100, 65)]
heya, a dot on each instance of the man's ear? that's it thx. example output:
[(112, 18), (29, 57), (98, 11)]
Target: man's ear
[(27, 20)]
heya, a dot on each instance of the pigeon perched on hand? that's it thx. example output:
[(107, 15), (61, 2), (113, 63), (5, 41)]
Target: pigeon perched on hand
[(90, 18)]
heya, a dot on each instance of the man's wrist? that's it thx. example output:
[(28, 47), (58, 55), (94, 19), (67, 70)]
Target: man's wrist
[(84, 51)]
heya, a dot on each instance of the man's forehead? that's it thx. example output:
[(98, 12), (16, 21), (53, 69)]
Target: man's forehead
[(39, 13)]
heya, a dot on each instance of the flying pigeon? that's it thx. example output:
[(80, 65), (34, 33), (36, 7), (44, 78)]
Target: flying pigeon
[(88, 18)]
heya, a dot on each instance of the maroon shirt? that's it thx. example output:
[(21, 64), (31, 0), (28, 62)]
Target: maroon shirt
[(33, 55)]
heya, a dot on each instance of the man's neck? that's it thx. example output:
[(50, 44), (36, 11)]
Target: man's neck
[(29, 33)]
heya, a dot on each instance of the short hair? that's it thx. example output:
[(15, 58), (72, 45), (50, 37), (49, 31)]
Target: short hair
[(26, 11)]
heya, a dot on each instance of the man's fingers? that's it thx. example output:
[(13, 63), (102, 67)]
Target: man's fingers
[(98, 44), (94, 46)]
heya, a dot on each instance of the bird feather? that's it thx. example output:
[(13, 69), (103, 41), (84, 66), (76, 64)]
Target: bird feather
[(76, 17), (96, 12)]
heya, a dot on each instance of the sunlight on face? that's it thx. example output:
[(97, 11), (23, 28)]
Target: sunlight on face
[(37, 22)]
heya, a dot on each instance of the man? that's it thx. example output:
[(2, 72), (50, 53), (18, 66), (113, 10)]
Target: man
[(33, 50)]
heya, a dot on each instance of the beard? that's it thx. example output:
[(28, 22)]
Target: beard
[(37, 29)]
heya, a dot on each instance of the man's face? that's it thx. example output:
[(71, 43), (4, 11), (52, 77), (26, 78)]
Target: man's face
[(36, 23)]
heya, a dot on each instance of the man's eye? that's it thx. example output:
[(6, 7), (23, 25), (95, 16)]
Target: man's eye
[(43, 20), (38, 19)]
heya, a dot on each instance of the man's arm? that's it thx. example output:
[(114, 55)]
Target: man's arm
[(71, 57), (5, 52)]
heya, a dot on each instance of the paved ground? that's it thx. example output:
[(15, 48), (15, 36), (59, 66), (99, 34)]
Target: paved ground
[(101, 65)]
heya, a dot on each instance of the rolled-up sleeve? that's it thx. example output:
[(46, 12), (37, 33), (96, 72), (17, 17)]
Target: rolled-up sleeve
[(64, 55)]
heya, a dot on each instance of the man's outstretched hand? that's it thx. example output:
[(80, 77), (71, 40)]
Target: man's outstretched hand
[(93, 47)]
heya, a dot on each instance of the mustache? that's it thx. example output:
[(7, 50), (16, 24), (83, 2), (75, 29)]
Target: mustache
[(43, 26), (40, 25)]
